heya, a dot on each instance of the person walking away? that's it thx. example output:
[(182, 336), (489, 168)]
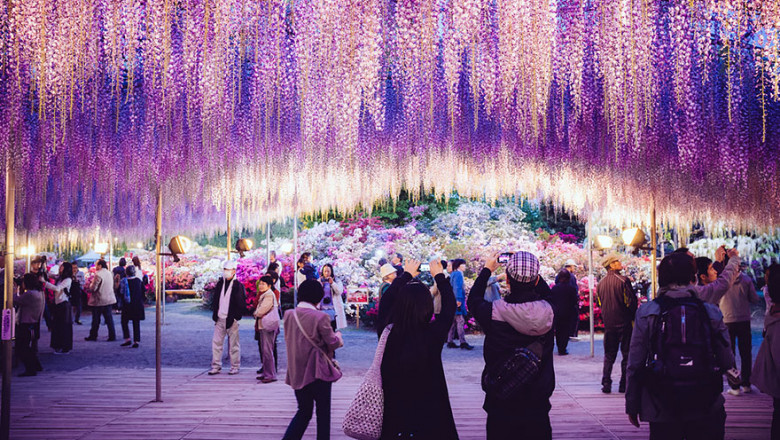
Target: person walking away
[(228, 306), (618, 306), (267, 306), (417, 404), (77, 292), (311, 343), (679, 352), (140, 272), (735, 306), (30, 304), (766, 374), (62, 328), (459, 323), (435, 291), (522, 319), (119, 272), (132, 306), (566, 300), (101, 301)]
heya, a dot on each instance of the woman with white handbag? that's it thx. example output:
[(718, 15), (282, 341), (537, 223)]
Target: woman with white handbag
[(416, 401), (266, 327)]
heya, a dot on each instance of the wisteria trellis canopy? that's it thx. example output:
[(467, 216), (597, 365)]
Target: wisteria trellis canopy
[(282, 105)]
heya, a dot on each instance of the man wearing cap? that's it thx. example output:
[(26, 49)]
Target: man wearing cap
[(570, 267), (524, 318), (227, 307), (618, 306)]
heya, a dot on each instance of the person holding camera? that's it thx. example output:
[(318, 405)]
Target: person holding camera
[(417, 404), (332, 301), (62, 322), (520, 322)]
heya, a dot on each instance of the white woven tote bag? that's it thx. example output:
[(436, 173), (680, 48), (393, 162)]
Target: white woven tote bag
[(363, 420)]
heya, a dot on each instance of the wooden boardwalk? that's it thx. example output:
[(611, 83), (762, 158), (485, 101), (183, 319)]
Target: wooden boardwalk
[(114, 403)]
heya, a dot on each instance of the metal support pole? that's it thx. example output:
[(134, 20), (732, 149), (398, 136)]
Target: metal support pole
[(591, 287), (158, 293), (653, 257), (228, 231), (8, 294), (295, 256), (164, 289), (28, 253), (267, 243)]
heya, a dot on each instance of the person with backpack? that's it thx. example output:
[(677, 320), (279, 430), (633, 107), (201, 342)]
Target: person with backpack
[(618, 304), (566, 300), (766, 374), (518, 378), (62, 315), (679, 352)]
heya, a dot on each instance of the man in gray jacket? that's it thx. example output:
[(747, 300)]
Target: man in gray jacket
[(661, 405), (101, 300), (735, 306)]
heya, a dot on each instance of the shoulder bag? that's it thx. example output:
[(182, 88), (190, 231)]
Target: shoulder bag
[(365, 415), (334, 366), (270, 321)]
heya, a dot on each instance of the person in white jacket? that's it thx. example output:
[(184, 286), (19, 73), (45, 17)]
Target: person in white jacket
[(62, 322)]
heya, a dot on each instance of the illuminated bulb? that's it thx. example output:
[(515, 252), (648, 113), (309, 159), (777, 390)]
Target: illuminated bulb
[(603, 242)]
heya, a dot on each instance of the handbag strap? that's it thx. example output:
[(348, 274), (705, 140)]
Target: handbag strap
[(300, 326), (376, 365)]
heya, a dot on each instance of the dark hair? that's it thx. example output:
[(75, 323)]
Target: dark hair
[(31, 281), (456, 263), (332, 273), (137, 262), (702, 267), (305, 255), (74, 263), (681, 250), (400, 257), (382, 261), (267, 279), (122, 262), (676, 268), (516, 286), (773, 282), (102, 263), (444, 264), (564, 277), (272, 267), (412, 310), (67, 271), (130, 270), (310, 291), (274, 276)]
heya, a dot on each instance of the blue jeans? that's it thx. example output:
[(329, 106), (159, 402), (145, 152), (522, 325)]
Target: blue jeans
[(107, 317), (319, 392)]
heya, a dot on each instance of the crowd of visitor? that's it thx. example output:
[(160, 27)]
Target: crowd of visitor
[(675, 349)]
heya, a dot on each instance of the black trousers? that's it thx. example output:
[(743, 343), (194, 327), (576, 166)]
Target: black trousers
[(316, 392), (507, 423), (776, 419), (562, 332), (616, 339), (25, 335), (62, 327), (126, 328), (739, 332), (708, 428), (105, 311)]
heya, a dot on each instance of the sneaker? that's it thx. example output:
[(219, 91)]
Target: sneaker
[(259, 371), (214, 371), (733, 392), (233, 370), (574, 339), (78, 322), (746, 389), (451, 345), (135, 345), (563, 353), (125, 344), (466, 346)]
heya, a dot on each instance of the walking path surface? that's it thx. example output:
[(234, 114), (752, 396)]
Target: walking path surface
[(104, 391)]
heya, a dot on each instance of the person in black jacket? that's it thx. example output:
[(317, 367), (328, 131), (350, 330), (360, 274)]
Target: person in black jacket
[(566, 300), (618, 306), (417, 404), (523, 317), (228, 306)]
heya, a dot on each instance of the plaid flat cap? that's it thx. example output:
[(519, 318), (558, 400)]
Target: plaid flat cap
[(523, 267)]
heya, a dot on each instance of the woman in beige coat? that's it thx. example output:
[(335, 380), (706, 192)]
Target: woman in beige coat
[(266, 327)]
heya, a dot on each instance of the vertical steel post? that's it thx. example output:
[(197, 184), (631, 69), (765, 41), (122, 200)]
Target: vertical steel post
[(295, 256), (267, 242), (158, 283), (8, 294), (591, 286), (228, 231), (654, 245)]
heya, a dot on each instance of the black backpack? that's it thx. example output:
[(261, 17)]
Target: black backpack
[(681, 370), (75, 290)]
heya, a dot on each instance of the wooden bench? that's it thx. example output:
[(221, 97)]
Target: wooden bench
[(182, 293)]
